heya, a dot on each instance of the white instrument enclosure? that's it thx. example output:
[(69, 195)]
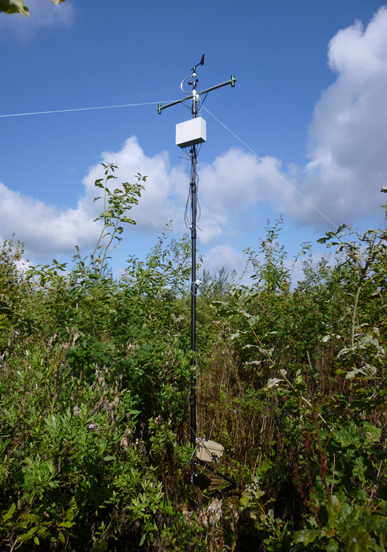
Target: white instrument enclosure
[(191, 132)]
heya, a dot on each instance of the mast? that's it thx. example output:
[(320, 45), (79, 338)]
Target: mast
[(188, 136)]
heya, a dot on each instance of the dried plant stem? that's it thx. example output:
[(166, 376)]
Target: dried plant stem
[(334, 468)]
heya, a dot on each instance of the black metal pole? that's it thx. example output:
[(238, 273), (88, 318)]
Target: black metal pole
[(193, 295), (193, 283)]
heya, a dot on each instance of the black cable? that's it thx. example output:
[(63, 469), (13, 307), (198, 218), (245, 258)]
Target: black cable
[(187, 219)]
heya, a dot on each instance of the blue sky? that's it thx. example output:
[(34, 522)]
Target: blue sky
[(310, 101)]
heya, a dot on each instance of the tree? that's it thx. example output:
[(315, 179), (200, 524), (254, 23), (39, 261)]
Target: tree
[(17, 6), (214, 285)]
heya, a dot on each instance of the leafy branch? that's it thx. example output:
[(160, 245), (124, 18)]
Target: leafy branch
[(116, 205), (17, 6)]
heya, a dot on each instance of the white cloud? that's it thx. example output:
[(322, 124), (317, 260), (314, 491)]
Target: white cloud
[(348, 134), (237, 181), (45, 230), (224, 256), (163, 184), (48, 231), (347, 167), (346, 147), (43, 13)]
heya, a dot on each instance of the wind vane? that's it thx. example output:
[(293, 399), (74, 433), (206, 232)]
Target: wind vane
[(190, 134)]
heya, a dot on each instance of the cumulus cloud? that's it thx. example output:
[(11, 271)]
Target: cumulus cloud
[(223, 256), (165, 192), (346, 146), (237, 181), (347, 166), (164, 183), (348, 162), (43, 13), (47, 230)]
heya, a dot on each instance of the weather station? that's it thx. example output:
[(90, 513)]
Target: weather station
[(189, 136)]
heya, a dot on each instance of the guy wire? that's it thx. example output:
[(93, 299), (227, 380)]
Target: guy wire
[(267, 164), (201, 107), (79, 109)]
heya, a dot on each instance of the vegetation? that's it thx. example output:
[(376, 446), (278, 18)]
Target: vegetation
[(17, 6), (94, 388)]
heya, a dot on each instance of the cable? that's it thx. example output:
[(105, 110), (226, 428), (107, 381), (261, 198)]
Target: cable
[(187, 218), (154, 103), (79, 109), (267, 164)]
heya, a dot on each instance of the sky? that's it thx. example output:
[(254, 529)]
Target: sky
[(303, 133)]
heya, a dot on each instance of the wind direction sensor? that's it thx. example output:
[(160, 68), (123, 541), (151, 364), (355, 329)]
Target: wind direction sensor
[(190, 134)]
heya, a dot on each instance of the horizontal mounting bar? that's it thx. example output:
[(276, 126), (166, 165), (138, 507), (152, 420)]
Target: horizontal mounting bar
[(232, 81)]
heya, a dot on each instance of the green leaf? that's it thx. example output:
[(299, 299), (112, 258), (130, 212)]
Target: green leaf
[(334, 508), (360, 541), (71, 511), (306, 536), (100, 547), (128, 220), (360, 469), (245, 499), (28, 535), (273, 382), (333, 545), (14, 6), (348, 435), (10, 512)]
